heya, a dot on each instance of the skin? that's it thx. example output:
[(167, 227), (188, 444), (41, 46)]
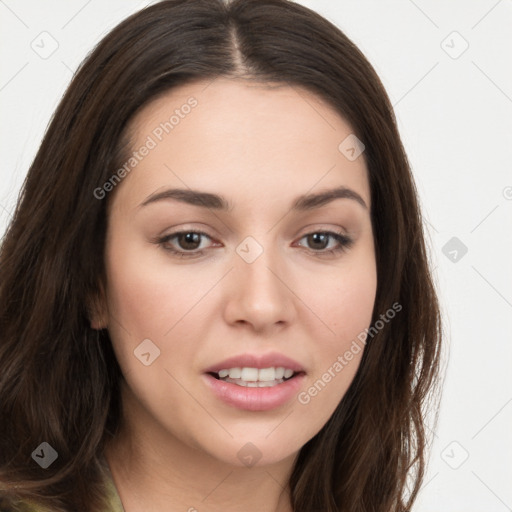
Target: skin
[(260, 147)]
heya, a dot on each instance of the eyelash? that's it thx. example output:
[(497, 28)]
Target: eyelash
[(344, 243)]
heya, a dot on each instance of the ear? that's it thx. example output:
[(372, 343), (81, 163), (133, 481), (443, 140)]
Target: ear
[(97, 309)]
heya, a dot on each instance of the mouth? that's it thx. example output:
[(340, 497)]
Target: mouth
[(244, 390), (256, 377), (255, 382)]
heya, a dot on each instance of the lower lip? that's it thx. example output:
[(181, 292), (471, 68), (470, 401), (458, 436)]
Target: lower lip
[(254, 399)]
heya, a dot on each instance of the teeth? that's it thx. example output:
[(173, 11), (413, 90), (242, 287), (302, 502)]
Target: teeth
[(279, 372), (253, 377), (249, 374), (269, 384), (267, 374), (259, 384), (234, 373)]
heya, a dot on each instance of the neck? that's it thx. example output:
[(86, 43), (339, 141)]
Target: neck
[(154, 469)]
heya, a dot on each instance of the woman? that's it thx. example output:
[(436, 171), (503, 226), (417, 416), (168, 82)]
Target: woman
[(215, 291)]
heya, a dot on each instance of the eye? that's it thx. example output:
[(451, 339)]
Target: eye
[(319, 242), (188, 242)]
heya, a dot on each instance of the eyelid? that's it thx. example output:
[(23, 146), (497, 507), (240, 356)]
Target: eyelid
[(165, 238), (344, 242)]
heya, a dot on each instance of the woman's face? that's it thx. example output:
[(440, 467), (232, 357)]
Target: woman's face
[(252, 274)]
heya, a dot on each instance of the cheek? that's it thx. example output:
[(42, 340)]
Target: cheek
[(148, 297), (151, 298), (348, 315), (349, 305), (148, 300), (346, 307), (345, 299)]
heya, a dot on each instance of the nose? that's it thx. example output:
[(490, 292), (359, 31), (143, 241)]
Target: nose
[(261, 292)]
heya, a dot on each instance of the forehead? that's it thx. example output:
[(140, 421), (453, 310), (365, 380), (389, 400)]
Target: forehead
[(241, 138)]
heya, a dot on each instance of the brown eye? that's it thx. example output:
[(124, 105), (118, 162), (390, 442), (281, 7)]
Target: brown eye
[(184, 243), (319, 242), (188, 241)]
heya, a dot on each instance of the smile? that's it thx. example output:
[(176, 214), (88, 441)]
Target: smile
[(254, 395)]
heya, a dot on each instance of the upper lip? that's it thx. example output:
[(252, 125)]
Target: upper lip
[(269, 360)]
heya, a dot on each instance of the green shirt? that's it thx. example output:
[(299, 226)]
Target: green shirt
[(114, 502)]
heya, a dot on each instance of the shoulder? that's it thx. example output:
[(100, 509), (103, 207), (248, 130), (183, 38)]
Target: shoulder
[(113, 499), (8, 506)]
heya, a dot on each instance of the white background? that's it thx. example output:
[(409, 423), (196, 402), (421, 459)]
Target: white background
[(455, 117)]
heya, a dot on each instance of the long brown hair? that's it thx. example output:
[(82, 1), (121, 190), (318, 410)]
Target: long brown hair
[(59, 378)]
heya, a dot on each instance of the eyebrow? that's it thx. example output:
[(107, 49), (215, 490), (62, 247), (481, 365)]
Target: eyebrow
[(305, 202)]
